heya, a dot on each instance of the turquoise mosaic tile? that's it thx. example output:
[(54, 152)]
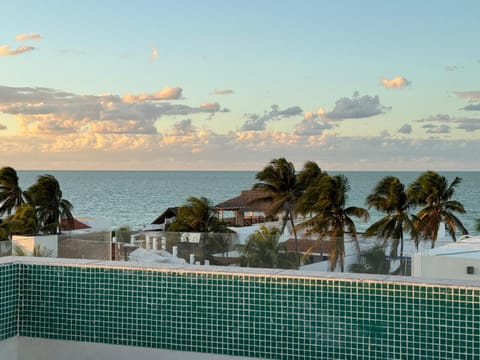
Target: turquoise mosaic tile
[(8, 300), (264, 316)]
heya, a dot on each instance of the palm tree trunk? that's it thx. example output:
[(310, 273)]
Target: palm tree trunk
[(295, 237), (402, 260)]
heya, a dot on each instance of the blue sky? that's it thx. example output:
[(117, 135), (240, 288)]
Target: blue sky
[(372, 85)]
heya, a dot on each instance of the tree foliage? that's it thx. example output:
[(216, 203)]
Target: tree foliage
[(389, 197), (263, 249), (197, 215), (434, 194), (11, 195), (326, 199)]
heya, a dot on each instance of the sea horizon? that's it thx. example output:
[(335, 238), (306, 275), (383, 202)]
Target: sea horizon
[(135, 198)]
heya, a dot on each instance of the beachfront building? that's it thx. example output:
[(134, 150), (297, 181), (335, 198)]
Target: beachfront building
[(244, 210)]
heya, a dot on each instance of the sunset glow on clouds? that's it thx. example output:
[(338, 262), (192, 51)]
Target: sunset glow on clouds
[(89, 97)]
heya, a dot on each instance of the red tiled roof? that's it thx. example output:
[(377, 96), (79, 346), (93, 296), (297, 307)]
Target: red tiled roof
[(73, 225)]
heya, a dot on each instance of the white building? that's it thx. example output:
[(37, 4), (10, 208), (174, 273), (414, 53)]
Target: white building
[(456, 260)]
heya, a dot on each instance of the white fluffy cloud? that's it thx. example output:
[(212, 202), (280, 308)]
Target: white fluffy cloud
[(48, 111), (398, 82), (356, 107)]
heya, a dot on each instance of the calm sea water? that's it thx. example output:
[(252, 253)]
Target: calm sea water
[(136, 198)]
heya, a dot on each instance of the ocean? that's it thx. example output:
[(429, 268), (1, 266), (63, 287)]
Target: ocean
[(136, 198)]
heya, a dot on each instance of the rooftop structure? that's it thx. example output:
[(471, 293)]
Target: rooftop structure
[(455, 260), (89, 309)]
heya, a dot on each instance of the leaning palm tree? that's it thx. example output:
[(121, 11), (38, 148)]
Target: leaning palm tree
[(389, 196), (263, 249), (46, 197), (278, 181), (434, 193), (331, 218), (11, 195)]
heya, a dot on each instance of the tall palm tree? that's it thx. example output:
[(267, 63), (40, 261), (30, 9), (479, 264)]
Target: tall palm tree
[(434, 193), (11, 195), (46, 197), (279, 182), (331, 218), (264, 250), (389, 196), (198, 215)]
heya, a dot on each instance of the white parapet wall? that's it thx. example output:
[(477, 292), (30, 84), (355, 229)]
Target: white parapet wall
[(28, 243), (46, 349)]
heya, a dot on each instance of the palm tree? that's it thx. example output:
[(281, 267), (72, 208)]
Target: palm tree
[(279, 182), (197, 215), (23, 222), (264, 250), (46, 197), (326, 199), (11, 195), (477, 225), (432, 191), (389, 196)]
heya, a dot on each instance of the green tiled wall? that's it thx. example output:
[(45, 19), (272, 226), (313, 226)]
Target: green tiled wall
[(275, 317), (8, 300)]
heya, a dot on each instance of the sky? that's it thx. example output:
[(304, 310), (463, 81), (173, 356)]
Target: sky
[(230, 85)]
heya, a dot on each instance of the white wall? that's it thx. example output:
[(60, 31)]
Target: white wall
[(445, 267), (8, 349), (29, 242), (44, 349)]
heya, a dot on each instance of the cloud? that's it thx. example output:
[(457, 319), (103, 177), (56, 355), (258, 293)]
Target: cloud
[(31, 36), (405, 129), (463, 123), (317, 115), (256, 122), (311, 127), (452, 68), (222, 92), (154, 53), (3, 127), (472, 107), (398, 82), (469, 125), (210, 106), (48, 111), (440, 129), (473, 96), (167, 93), (183, 127), (356, 107), (6, 51)]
